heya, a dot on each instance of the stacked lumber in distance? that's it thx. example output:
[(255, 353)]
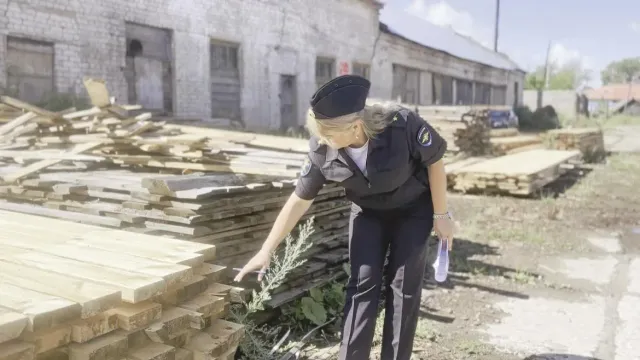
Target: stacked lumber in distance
[(107, 166), (589, 141), (504, 145), (521, 173), (81, 292), (474, 138), (477, 138)]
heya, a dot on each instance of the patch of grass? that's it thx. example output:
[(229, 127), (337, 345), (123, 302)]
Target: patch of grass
[(424, 331)]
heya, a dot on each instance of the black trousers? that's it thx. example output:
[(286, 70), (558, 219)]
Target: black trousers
[(404, 232)]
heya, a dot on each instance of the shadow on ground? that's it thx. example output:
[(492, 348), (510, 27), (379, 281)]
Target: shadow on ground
[(559, 357), (564, 182), (463, 268)]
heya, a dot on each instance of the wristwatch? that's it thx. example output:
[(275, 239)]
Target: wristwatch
[(446, 215)]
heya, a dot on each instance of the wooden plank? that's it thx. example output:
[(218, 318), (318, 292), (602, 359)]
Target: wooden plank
[(135, 287), (11, 324), (171, 273), (18, 104), (17, 122), (92, 297), (37, 166), (524, 163), (67, 230), (43, 311), (67, 215)]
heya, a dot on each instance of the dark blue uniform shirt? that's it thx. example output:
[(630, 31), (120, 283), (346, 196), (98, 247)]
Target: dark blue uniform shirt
[(397, 163)]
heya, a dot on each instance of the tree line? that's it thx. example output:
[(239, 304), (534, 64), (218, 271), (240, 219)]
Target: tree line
[(573, 75)]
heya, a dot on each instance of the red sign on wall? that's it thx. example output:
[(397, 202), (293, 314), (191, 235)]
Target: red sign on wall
[(344, 68)]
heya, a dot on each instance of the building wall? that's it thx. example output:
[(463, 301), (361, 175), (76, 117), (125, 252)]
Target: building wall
[(392, 49), (275, 37)]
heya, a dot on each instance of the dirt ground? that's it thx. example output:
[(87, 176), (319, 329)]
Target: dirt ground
[(502, 240), (500, 244)]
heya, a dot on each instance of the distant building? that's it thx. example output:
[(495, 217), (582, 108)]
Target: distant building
[(254, 61), (614, 99)]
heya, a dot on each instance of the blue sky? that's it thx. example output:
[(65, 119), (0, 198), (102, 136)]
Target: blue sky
[(593, 32)]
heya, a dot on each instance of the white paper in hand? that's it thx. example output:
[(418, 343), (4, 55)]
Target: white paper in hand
[(441, 265)]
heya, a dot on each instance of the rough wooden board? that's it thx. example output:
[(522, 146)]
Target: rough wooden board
[(17, 122), (93, 298), (171, 273), (37, 166), (523, 163), (91, 233), (11, 324), (17, 350), (43, 311)]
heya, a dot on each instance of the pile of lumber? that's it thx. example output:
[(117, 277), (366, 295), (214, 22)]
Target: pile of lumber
[(80, 292), (477, 138), (474, 138), (521, 173), (108, 166), (505, 145), (229, 211), (589, 141)]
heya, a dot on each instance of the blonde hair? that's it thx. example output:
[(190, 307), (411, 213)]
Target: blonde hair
[(375, 119)]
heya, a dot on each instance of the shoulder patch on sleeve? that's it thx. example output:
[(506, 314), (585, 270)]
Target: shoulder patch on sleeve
[(424, 136), (306, 167)]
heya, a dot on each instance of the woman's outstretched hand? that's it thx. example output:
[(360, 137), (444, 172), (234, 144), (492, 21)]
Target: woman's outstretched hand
[(259, 261)]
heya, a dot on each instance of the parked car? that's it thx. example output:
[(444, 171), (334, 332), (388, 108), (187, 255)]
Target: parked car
[(503, 119)]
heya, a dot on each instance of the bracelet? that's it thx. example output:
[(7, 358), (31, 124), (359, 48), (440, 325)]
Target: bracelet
[(442, 216)]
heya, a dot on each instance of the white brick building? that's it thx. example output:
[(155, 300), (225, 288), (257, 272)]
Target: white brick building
[(255, 60)]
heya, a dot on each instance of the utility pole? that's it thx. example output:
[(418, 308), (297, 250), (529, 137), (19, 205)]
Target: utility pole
[(497, 27)]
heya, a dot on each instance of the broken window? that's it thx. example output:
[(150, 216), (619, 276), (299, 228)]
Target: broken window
[(30, 69), (464, 92), (361, 70), (325, 70)]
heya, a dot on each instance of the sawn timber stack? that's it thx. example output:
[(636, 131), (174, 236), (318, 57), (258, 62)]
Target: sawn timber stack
[(522, 173), (107, 166), (80, 292)]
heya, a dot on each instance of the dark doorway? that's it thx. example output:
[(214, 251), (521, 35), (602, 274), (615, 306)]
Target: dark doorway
[(288, 113)]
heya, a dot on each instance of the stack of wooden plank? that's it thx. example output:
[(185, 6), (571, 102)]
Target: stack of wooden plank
[(589, 141), (80, 292), (227, 210), (504, 145), (521, 173), (100, 166), (474, 138)]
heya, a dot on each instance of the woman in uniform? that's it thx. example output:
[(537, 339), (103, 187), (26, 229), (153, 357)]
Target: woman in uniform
[(389, 161)]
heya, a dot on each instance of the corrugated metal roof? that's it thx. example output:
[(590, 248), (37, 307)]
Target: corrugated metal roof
[(418, 30)]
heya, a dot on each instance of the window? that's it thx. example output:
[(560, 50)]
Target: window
[(30, 69), (361, 70), (325, 70), (224, 56), (406, 84), (442, 89), (224, 76), (499, 95), (464, 92), (482, 94)]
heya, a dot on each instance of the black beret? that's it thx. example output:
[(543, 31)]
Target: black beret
[(343, 95)]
